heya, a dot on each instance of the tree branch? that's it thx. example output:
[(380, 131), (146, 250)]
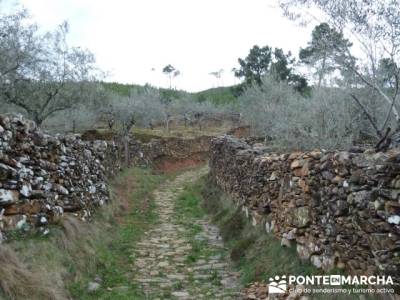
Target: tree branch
[(370, 118), (384, 142)]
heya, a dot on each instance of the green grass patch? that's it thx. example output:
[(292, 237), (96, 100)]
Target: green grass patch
[(188, 204), (219, 95), (188, 210)]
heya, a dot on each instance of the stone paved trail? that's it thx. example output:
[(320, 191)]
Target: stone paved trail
[(164, 263)]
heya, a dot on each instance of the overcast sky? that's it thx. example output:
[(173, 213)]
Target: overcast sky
[(131, 37)]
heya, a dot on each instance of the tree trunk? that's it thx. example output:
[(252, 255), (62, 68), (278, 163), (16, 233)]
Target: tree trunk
[(38, 120), (126, 150), (167, 124), (321, 73)]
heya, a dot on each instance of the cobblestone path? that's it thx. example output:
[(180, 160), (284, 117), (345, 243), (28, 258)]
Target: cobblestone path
[(182, 260)]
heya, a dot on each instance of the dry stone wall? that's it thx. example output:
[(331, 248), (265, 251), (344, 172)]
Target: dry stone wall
[(161, 151), (158, 152), (341, 209), (43, 177)]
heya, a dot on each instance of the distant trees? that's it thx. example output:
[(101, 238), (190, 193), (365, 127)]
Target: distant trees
[(255, 65), (290, 121), (140, 108), (262, 61), (149, 106), (171, 72), (325, 46), (217, 75), (39, 72)]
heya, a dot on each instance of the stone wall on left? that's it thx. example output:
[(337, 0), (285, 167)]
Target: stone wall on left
[(43, 177)]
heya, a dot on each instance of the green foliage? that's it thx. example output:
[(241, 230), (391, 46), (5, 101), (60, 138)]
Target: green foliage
[(168, 69), (172, 94), (123, 89), (325, 47), (255, 65), (219, 95), (287, 120), (387, 73), (127, 89), (264, 61), (39, 72), (171, 72)]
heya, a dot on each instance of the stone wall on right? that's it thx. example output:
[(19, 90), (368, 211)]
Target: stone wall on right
[(341, 209)]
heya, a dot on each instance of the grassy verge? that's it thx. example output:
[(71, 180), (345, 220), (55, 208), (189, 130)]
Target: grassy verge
[(74, 254), (256, 254)]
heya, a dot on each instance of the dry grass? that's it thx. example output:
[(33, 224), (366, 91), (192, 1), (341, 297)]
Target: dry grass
[(40, 267), (17, 281)]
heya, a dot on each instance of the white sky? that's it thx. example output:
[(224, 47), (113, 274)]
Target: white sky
[(130, 37)]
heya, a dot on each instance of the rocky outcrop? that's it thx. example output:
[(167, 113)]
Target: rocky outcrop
[(341, 209), (43, 177)]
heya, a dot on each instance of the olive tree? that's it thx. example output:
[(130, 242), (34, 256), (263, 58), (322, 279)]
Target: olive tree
[(140, 108), (374, 27), (39, 72), (288, 120)]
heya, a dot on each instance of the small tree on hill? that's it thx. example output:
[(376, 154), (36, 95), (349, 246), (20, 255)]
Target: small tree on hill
[(217, 75), (171, 72)]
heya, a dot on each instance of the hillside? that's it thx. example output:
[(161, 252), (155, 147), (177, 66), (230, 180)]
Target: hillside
[(219, 95)]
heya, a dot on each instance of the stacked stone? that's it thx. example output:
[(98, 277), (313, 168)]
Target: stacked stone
[(43, 176), (172, 148), (342, 209)]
